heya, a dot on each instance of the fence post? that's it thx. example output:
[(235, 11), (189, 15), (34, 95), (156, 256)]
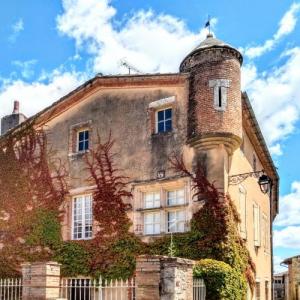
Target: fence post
[(41, 280), (165, 278)]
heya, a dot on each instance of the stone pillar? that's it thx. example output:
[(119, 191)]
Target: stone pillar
[(41, 280), (165, 278)]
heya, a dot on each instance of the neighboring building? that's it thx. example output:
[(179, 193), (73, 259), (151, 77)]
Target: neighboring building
[(200, 112), (281, 282), (293, 283)]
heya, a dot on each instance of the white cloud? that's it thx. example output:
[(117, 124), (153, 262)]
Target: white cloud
[(289, 209), (286, 25), (275, 96), (278, 268), (151, 42), (37, 95), (26, 67), (287, 237), (16, 29)]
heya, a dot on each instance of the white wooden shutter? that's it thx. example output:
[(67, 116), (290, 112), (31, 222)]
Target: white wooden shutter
[(256, 221)]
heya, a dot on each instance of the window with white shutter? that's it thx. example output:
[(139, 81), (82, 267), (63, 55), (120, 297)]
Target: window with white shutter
[(243, 211), (256, 223)]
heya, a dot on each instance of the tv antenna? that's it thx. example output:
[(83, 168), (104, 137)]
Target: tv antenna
[(124, 63)]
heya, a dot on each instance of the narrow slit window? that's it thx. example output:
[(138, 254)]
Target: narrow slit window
[(220, 96)]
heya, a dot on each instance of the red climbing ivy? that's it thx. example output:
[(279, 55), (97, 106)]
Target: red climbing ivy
[(113, 247), (216, 222), (32, 189)]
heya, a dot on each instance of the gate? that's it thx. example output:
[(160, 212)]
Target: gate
[(199, 289), (11, 289), (97, 289)]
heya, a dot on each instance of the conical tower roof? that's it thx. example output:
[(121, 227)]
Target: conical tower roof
[(211, 42)]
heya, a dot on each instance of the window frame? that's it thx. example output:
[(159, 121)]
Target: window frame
[(83, 217), (165, 120), (84, 130), (176, 222), (153, 199), (176, 198), (153, 223)]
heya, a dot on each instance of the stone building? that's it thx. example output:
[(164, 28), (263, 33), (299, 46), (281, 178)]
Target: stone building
[(293, 283), (199, 112), (281, 283)]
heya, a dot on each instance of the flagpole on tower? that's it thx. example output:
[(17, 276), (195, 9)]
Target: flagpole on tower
[(207, 24)]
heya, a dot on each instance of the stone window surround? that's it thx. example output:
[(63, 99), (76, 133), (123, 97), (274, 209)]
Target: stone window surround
[(73, 137), (163, 188), (216, 84), (158, 105)]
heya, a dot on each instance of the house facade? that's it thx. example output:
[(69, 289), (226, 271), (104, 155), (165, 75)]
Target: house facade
[(199, 112)]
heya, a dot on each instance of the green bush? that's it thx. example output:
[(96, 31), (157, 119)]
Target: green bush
[(221, 280), (74, 259)]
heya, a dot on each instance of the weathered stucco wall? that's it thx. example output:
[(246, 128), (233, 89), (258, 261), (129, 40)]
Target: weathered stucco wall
[(242, 162)]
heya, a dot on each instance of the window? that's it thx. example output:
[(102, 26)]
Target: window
[(152, 223), (83, 140), (82, 217), (257, 291), (175, 197), (152, 200), (254, 163), (256, 222), (164, 120), (267, 290), (220, 87), (176, 221), (265, 230), (243, 211)]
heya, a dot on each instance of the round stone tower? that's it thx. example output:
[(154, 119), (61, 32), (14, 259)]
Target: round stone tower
[(215, 108)]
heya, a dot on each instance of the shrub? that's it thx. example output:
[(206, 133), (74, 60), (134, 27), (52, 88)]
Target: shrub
[(221, 280)]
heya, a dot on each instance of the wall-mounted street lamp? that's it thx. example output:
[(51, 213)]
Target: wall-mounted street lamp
[(264, 181)]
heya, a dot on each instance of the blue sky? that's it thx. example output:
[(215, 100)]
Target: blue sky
[(49, 47)]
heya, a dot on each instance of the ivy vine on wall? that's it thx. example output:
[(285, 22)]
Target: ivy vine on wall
[(33, 188)]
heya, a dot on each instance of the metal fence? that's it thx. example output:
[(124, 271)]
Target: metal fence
[(11, 289), (97, 289), (199, 289)]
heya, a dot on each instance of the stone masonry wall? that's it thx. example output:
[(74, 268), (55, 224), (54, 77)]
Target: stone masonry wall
[(165, 278)]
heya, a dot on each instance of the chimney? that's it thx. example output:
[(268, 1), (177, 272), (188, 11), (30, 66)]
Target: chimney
[(16, 107), (13, 120)]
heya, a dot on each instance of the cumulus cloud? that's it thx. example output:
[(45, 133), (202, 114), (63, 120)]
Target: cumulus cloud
[(275, 97), (26, 67), (16, 28), (151, 42), (287, 237), (286, 25), (37, 95), (278, 268), (290, 207)]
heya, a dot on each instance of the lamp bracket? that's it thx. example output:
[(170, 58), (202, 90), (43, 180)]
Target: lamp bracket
[(239, 178)]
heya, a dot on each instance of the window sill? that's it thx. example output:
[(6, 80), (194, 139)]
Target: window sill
[(78, 154), (165, 133), (149, 209), (82, 239), (163, 207)]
